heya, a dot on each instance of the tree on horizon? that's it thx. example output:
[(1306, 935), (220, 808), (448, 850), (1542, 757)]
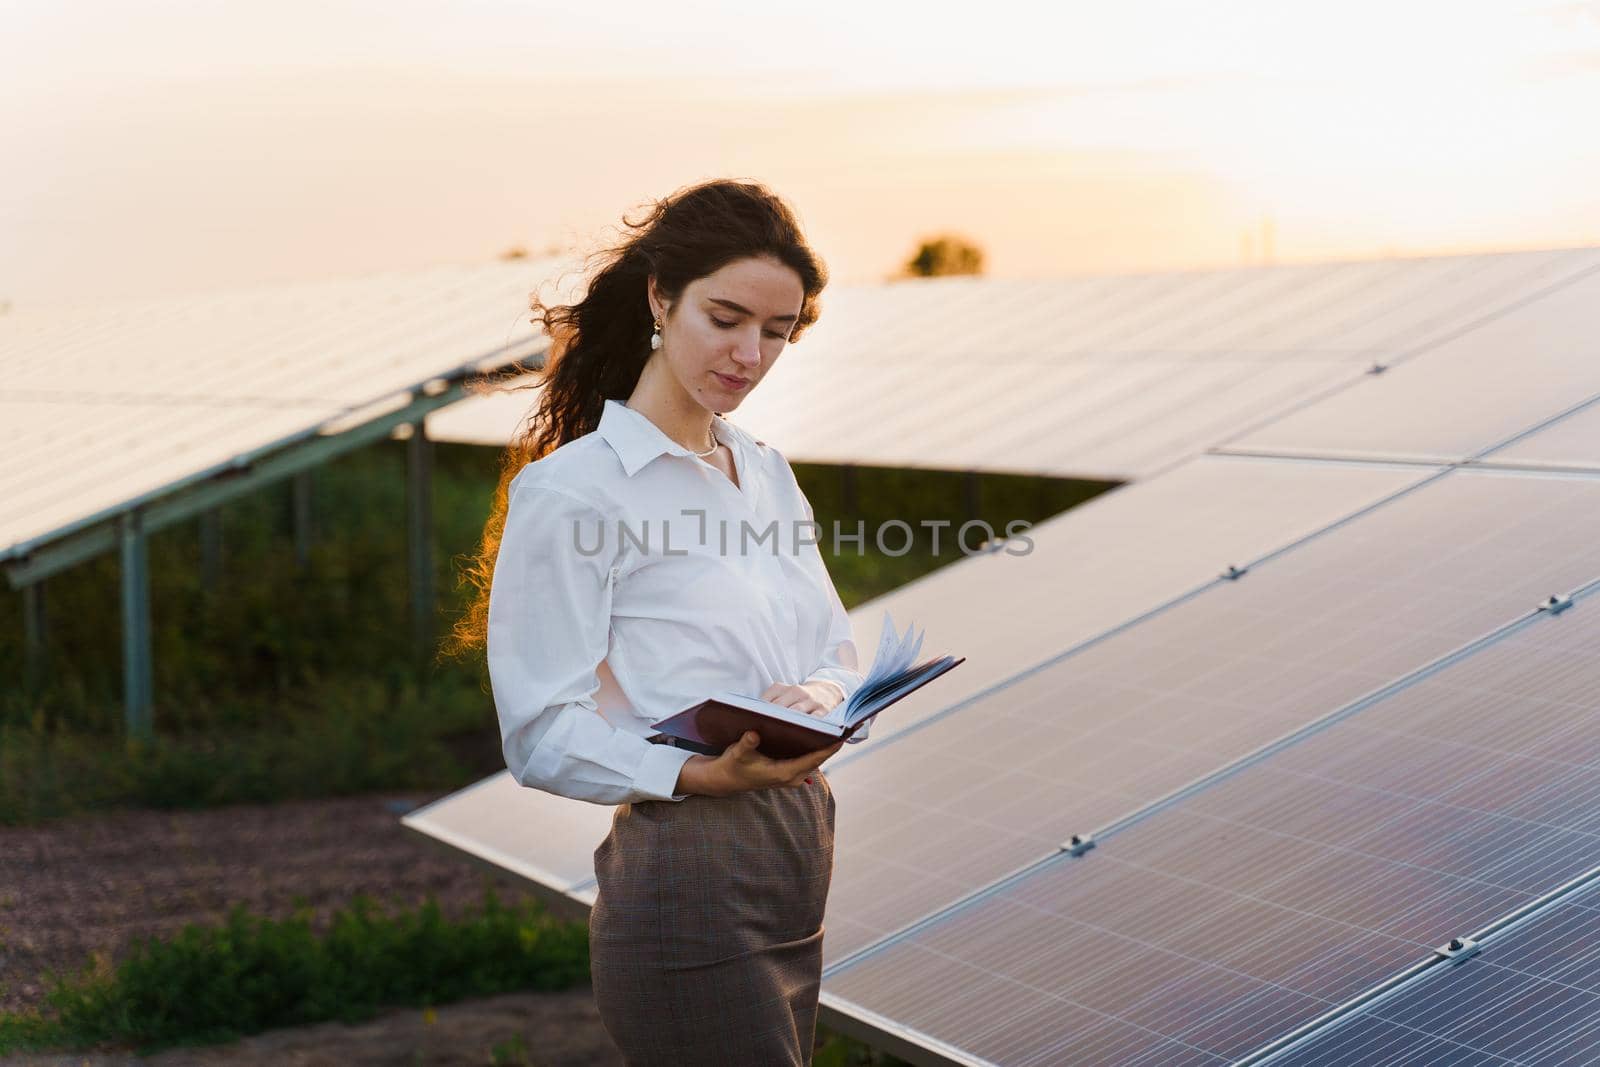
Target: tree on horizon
[(944, 254)]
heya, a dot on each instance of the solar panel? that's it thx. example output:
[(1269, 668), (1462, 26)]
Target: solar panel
[(547, 839), (1082, 742), (306, 343), (143, 394), (1194, 314), (1452, 293), (1223, 921), (1274, 312), (1529, 996), (1345, 310), (1134, 419), (1468, 394), (1571, 442), (141, 448)]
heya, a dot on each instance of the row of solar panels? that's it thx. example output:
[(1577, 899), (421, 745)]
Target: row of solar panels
[(1111, 377), (1307, 718), (1103, 377)]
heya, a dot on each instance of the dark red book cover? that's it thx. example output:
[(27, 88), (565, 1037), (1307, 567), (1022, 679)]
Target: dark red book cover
[(713, 724)]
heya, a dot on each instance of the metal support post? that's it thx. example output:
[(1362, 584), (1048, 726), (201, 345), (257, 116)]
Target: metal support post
[(419, 536), (137, 675), (300, 507)]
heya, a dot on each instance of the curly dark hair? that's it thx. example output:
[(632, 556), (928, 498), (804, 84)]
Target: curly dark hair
[(599, 345)]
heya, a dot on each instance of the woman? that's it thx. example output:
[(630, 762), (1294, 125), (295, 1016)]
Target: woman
[(645, 553)]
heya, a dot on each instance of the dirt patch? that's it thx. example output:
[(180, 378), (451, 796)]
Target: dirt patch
[(526, 1028), (89, 885)]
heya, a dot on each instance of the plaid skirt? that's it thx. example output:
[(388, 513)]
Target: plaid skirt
[(705, 940)]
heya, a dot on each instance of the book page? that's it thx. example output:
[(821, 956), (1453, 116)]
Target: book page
[(896, 652)]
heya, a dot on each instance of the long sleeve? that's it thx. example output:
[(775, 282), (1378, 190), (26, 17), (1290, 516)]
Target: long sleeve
[(549, 628), (840, 661)]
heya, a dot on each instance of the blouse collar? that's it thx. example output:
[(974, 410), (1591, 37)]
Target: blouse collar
[(637, 440)]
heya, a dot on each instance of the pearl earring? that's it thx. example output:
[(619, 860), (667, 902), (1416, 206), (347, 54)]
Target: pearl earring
[(655, 338)]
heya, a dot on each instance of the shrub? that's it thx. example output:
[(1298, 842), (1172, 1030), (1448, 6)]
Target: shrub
[(211, 984)]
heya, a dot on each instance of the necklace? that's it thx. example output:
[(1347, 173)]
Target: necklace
[(715, 444)]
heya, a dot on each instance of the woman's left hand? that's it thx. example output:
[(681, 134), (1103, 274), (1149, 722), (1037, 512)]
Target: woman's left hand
[(813, 698)]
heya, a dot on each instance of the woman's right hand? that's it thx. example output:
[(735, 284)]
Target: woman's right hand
[(741, 767)]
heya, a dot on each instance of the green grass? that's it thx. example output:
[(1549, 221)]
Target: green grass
[(347, 736)]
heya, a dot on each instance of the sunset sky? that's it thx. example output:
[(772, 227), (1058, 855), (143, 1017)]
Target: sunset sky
[(157, 148)]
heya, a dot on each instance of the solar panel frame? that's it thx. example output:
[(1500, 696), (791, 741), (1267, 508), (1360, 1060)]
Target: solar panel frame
[(1571, 441)]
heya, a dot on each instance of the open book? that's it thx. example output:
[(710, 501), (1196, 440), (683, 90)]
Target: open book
[(716, 722)]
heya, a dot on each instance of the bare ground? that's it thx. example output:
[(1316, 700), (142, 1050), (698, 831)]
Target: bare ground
[(84, 887), (553, 1028)]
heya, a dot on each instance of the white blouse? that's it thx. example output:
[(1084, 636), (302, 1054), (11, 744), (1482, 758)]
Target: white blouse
[(634, 579)]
